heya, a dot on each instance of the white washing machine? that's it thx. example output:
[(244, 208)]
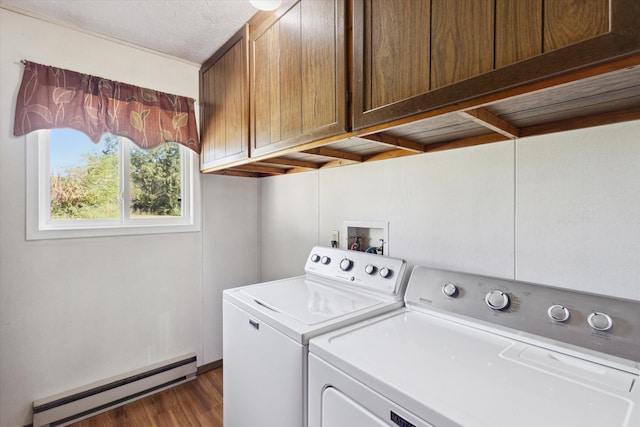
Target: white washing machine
[(474, 351), (267, 327)]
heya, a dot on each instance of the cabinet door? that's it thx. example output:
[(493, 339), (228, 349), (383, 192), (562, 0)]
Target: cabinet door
[(462, 40), (298, 85), (394, 63), (225, 104), (518, 30), (570, 21), (416, 56)]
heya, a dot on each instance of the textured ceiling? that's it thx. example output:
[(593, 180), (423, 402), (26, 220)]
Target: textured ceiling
[(188, 29)]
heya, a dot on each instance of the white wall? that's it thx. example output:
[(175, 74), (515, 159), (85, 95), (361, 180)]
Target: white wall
[(79, 310), (230, 248), (453, 209), (289, 223), (578, 210), (560, 209)]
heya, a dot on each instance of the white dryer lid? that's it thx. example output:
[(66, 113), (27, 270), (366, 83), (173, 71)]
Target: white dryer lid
[(452, 374), (308, 302)]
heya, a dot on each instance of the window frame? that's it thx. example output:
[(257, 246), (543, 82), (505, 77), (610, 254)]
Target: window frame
[(40, 227)]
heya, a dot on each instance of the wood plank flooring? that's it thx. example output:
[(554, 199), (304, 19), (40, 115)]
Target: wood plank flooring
[(197, 403)]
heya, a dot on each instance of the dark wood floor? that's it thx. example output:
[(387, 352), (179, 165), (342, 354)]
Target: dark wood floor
[(195, 403)]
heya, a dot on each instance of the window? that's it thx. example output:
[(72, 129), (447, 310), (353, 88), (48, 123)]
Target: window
[(81, 189)]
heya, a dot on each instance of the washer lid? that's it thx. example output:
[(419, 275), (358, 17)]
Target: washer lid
[(442, 370), (308, 302)]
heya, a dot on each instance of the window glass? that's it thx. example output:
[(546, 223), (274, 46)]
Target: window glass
[(84, 179), (155, 181), (77, 188)]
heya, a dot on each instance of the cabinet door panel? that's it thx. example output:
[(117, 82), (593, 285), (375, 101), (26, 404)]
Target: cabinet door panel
[(219, 112), (569, 21), (290, 73), (299, 76), (399, 59), (266, 90), (462, 40), (518, 30), (319, 84), (235, 101), (225, 104)]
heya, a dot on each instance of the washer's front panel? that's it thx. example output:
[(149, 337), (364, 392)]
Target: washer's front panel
[(263, 373)]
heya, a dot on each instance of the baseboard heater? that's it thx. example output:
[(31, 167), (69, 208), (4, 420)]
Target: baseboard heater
[(83, 402)]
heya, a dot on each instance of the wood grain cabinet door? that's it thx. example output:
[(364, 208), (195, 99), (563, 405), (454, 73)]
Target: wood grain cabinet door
[(224, 94), (298, 76), (412, 56)]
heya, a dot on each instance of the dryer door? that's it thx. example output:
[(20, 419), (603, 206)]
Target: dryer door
[(339, 410)]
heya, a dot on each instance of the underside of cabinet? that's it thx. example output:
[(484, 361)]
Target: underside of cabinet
[(591, 96)]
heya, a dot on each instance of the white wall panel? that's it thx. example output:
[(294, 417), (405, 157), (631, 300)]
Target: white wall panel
[(229, 250), (289, 223), (451, 209), (578, 210)]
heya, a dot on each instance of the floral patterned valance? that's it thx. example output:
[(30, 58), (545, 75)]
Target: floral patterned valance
[(52, 98)]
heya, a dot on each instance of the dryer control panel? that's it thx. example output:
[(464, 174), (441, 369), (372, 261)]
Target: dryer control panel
[(376, 273), (597, 322)]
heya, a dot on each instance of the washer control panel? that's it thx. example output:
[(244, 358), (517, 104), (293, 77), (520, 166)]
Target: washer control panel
[(374, 272), (606, 324)]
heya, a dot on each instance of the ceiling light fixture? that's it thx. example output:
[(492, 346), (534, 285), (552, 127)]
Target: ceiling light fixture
[(265, 4)]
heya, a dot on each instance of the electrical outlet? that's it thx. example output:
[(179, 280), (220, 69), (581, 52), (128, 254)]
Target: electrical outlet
[(335, 235)]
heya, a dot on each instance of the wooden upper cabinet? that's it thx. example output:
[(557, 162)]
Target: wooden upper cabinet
[(397, 62), (570, 21), (224, 94), (298, 76), (412, 56), (461, 40), (518, 30)]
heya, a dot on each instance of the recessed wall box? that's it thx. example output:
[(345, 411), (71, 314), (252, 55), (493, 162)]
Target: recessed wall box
[(367, 236)]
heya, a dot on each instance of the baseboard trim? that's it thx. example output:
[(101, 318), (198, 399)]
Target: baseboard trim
[(200, 370), (209, 367)]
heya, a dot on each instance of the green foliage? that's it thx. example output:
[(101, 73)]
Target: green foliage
[(88, 191), (155, 181), (91, 190)]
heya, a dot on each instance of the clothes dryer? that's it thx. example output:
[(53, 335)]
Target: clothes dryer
[(475, 351)]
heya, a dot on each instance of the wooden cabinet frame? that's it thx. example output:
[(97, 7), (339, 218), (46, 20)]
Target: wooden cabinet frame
[(257, 81), (219, 144), (622, 39)]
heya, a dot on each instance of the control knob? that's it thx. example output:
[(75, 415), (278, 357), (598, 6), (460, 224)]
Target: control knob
[(346, 264), (558, 313), (315, 258), (600, 321), (370, 269), (450, 290), (385, 272), (325, 260), (497, 300)]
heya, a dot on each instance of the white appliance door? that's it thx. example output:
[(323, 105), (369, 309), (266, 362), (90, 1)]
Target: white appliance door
[(263, 373), (339, 410)]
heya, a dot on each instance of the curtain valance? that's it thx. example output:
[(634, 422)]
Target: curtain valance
[(52, 98)]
